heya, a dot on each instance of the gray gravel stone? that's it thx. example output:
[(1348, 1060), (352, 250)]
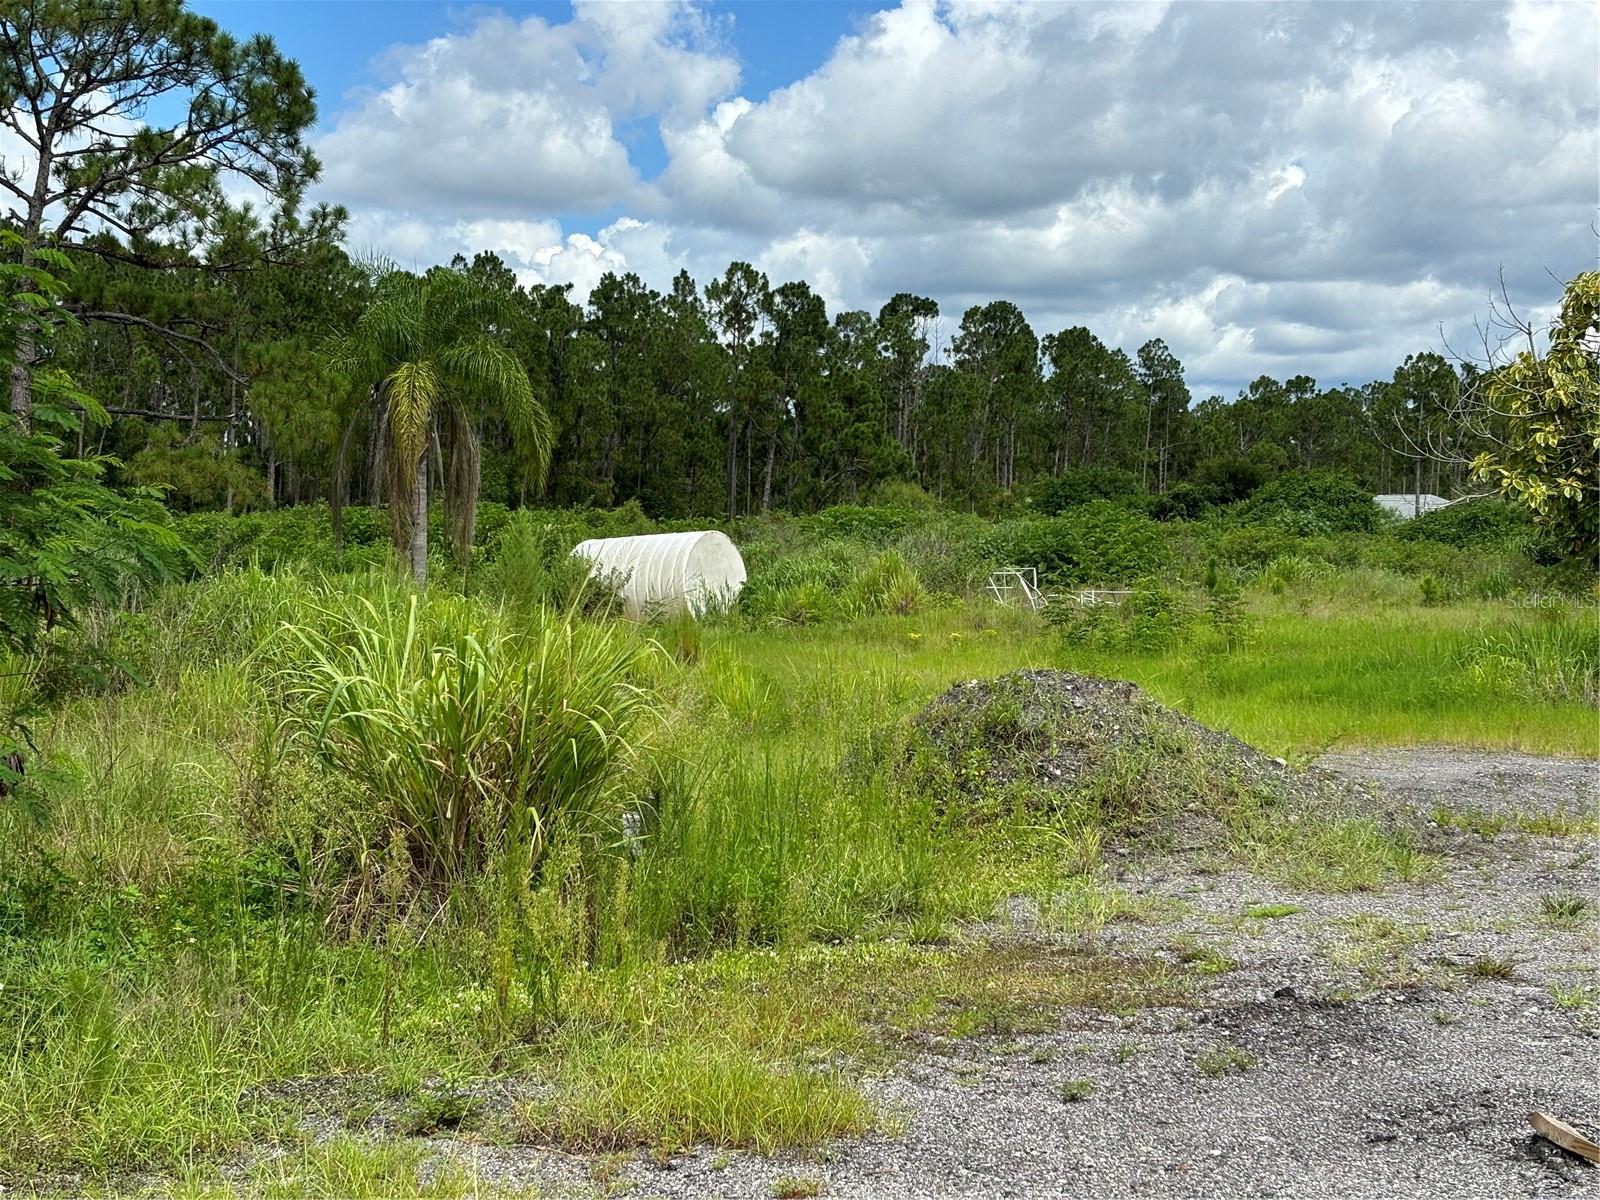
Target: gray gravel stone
[(1394, 1074)]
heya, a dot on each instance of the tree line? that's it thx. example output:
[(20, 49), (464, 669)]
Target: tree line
[(725, 399), (206, 329)]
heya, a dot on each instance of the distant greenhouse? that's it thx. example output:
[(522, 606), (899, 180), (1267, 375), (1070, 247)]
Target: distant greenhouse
[(1406, 505), (663, 574)]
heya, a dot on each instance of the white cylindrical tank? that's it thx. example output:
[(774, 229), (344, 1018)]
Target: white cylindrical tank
[(665, 573)]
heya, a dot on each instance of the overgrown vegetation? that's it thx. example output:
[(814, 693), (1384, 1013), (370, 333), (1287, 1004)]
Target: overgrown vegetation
[(324, 825), (275, 822)]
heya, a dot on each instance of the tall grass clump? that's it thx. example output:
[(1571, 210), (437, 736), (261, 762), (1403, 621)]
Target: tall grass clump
[(468, 735), (885, 585), (1557, 658)]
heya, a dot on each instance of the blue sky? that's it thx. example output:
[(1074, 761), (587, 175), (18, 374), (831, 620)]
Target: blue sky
[(340, 44), (1270, 188)]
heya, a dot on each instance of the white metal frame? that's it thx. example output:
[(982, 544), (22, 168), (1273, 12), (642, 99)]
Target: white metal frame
[(1004, 586), (1092, 596)]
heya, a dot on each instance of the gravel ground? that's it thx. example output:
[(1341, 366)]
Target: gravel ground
[(1376, 1045)]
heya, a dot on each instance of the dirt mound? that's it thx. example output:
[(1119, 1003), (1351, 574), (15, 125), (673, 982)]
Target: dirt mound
[(1043, 737)]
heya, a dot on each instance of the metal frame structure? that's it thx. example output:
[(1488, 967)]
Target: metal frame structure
[(1006, 584)]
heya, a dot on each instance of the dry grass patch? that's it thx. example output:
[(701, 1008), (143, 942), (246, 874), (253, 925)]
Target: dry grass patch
[(763, 1051)]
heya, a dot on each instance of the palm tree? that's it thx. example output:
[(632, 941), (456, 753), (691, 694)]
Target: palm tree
[(426, 353)]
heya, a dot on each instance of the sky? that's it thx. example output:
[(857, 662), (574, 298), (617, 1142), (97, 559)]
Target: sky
[(1314, 189)]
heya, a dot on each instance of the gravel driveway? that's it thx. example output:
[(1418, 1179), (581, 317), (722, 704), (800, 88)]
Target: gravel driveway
[(1374, 1045)]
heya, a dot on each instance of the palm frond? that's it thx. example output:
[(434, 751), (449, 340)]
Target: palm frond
[(412, 389), (497, 377)]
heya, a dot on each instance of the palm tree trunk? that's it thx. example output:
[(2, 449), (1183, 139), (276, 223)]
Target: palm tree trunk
[(419, 523)]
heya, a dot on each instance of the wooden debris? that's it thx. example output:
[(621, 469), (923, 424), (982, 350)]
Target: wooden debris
[(1558, 1131)]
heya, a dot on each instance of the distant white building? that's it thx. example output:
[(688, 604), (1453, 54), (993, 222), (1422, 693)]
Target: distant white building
[(1406, 505)]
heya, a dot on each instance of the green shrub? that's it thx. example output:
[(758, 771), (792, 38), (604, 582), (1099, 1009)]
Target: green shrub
[(1250, 548), (1473, 523), (1228, 480), (1293, 568), (530, 563), (1181, 502), (1099, 543), (1314, 502), (1227, 616), (947, 553), (1153, 619), (803, 604), (797, 583), (902, 495), (1080, 485), (886, 585), (877, 525)]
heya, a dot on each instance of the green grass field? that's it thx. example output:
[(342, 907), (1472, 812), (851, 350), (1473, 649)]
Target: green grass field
[(200, 903)]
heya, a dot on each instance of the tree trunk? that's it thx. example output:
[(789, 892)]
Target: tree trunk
[(766, 478), (733, 466), (419, 523), (32, 235), (22, 385)]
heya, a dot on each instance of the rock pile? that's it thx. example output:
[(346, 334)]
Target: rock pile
[(1042, 737)]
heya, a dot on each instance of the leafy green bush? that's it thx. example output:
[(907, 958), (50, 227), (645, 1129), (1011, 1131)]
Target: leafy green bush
[(1152, 620), (530, 563), (1314, 502), (1100, 543), (1080, 485), (1473, 523), (1181, 502), (857, 522), (1248, 548), (299, 536), (901, 494)]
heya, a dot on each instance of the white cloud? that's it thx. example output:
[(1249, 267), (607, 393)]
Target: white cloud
[(1282, 188), (516, 117)]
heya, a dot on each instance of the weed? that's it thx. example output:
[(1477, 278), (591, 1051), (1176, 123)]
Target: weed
[(1485, 967), (1074, 1091), (439, 1113), (1380, 949), (1224, 1059), (1575, 996), (795, 1187), (1564, 908), (469, 738), (1562, 822), (1208, 960), (361, 1170), (726, 910), (1271, 912), (1487, 825)]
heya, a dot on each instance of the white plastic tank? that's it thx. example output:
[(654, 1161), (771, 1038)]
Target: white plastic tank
[(666, 573)]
